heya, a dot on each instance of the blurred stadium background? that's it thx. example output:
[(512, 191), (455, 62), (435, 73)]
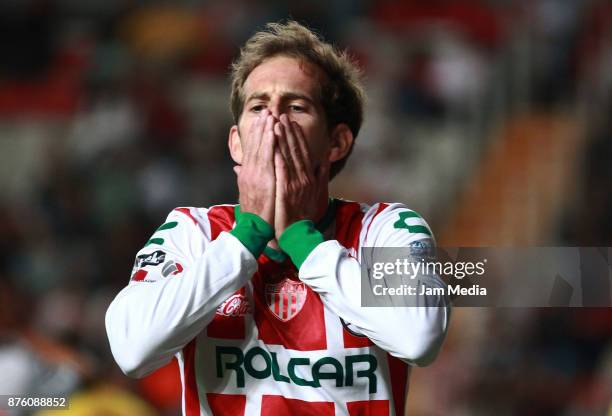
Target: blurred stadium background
[(490, 117)]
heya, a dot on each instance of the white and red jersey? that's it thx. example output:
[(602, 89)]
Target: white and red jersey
[(257, 337)]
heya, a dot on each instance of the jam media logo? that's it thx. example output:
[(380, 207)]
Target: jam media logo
[(286, 298), (235, 305)]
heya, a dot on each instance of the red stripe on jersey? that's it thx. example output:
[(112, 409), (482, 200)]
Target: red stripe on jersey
[(187, 212), (399, 379), (277, 303), (285, 311), (348, 223), (226, 404), (369, 408), (221, 218), (280, 406), (139, 275), (381, 207), (305, 331), (163, 386), (192, 400), (228, 327), (293, 309), (348, 227)]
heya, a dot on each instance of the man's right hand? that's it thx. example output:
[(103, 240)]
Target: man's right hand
[(256, 178)]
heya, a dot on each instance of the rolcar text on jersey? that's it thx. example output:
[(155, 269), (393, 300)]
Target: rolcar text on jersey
[(234, 359)]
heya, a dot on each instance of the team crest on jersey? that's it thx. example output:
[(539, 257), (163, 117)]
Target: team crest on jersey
[(235, 305), (286, 298)]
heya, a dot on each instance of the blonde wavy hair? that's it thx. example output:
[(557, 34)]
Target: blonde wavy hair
[(341, 93)]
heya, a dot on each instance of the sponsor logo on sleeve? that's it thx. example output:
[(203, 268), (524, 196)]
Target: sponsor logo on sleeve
[(154, 259), (171, 268), (421, 248), (235, 305), (139, 275)]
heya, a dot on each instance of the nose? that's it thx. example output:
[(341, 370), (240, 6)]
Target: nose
[(274, 106)]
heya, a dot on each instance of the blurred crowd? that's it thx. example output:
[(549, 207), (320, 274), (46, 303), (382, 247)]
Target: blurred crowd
[(114, 112)]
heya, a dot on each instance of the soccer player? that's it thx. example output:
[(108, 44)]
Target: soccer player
[(260, 302)]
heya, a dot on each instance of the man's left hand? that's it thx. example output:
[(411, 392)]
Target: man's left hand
[(299, 182)]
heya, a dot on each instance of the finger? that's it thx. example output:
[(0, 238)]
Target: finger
[(247, 143), (303, 146), (266, 148), (280, 170), (254, 137), (294, 151), (283, 148), (280, 189), (278, 129), (261, 131)]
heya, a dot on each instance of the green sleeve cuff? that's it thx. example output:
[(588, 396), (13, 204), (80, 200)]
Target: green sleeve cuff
[(299, 239), (253, 232)]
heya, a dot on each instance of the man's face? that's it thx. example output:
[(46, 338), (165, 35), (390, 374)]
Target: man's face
[(285, 85)]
